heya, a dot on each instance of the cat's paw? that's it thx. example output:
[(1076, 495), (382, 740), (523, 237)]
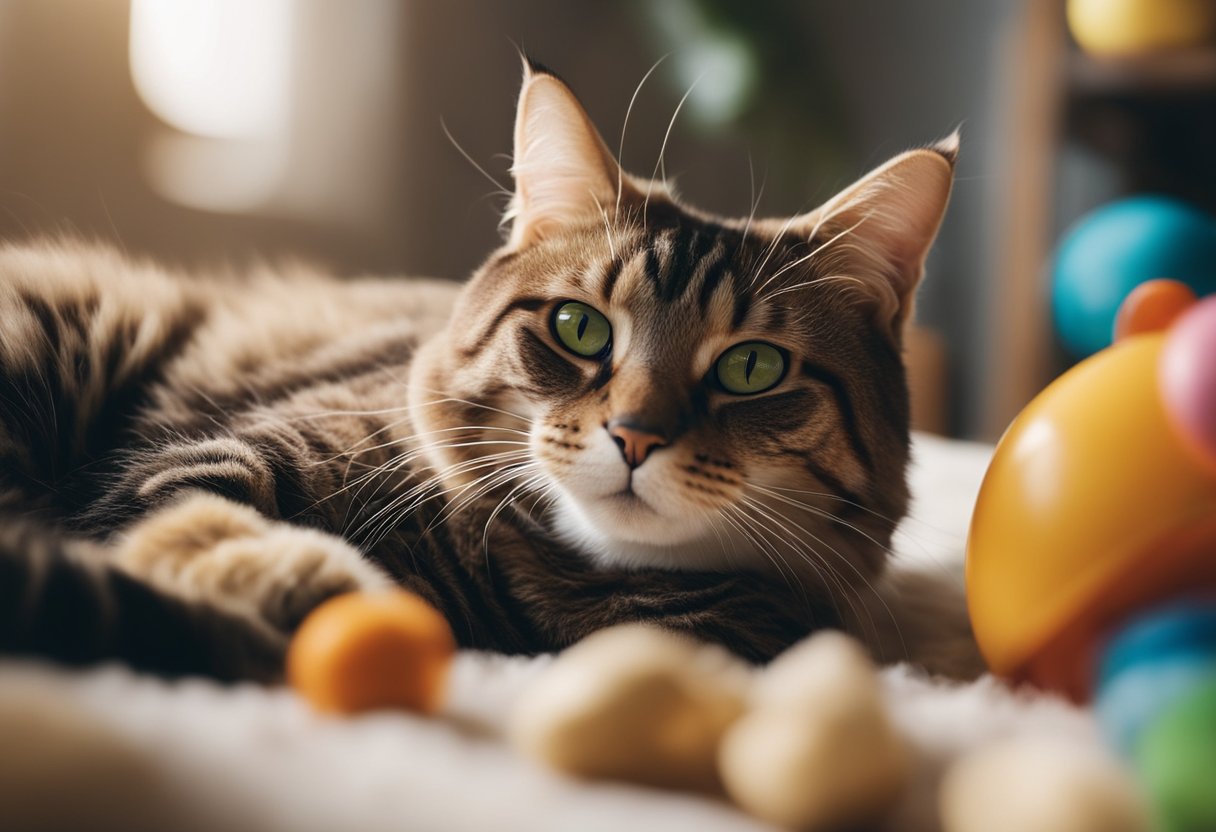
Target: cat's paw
[(211, 548)]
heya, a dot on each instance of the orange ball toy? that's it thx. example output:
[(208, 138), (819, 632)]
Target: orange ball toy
[(366, 651), (1091, 510), (1152, 306)]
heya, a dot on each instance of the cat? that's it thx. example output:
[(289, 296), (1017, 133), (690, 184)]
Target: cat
[(634, 410)]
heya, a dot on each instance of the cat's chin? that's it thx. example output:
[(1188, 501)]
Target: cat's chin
[(622, 530)]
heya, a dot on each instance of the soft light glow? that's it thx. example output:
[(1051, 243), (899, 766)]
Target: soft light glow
[(216, 68)]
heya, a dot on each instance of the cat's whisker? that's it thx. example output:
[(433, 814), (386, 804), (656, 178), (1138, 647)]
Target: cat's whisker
[(401, 506), (620, 151), (502, 190), (745, 526), (815, 560), (818, 249), (712, 519), (751, 175), (663, 147), (499, 465), (323, 414), (827, 495), (397, 462), (487, 484), (464, 466), (607, 226), (450, 399), (910, 517), (471, 430), (771, 549), (413, 436), (818, 281), (353, 451), (770, 511), (504, 503), (827, 515), (803, 547), (771, 249), (409, 499), (419, 493)]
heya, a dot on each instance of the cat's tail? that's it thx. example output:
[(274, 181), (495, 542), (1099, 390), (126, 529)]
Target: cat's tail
[(60, 599)]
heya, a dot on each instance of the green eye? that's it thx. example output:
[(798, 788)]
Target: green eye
[(750, 367), (581, 329)]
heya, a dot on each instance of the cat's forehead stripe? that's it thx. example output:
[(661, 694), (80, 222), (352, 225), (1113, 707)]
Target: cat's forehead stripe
[(611, 275), (676, 257)]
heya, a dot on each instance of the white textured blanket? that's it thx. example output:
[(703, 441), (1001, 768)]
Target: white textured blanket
[(109, 749)]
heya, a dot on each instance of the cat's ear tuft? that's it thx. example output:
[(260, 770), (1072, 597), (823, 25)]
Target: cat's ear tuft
[(535, 67), (948, 146), (563, 171), (885, 224)]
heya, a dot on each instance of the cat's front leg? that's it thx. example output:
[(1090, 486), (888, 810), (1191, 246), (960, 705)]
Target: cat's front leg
[(207, 547)]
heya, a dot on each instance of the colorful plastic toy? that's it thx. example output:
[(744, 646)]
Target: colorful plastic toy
[(1188, 379), (1153, 306), (1130, 27), (1091, 563), (1113, 250)]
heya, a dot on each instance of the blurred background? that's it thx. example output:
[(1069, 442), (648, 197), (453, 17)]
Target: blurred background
[(218, 131)]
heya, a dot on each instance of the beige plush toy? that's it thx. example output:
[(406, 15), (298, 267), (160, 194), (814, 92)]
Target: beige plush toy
[(805, 743), (633, 703), (1027, 783), (816, 749)]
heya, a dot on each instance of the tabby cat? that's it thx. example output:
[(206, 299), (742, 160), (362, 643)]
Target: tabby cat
[(633, 411)]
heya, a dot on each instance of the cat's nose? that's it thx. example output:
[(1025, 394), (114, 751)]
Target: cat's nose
[(636, 441)]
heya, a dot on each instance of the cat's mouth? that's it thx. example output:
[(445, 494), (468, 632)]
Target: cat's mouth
[(630, 499)]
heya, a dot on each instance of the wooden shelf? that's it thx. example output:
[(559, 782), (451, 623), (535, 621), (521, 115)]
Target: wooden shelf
[(1153, 119), (1184, 71)]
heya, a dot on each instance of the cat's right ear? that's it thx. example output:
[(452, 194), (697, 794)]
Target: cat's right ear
[(563, 171)]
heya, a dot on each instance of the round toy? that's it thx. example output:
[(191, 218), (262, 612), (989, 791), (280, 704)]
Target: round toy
[(1152, 307), (1113, 250), (365, 651), (1188, 379), (1177, 762), (1157, 659), (1092, 509), (1091, 563), (1129, 27)]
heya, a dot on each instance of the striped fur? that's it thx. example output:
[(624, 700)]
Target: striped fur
[(189, 464)]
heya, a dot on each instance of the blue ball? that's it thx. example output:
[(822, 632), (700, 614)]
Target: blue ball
[(1113, 250), (1156, 659)]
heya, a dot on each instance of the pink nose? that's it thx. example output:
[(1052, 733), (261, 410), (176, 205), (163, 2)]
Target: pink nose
[(635, 442)]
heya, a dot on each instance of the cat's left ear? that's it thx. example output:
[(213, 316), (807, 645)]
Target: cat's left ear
[(885, 224), (563, 171)]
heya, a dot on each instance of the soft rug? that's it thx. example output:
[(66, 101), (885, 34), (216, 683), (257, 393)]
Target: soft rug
[(110, 749)]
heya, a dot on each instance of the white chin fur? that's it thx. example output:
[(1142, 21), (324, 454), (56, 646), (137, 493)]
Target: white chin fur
[(619, 535)]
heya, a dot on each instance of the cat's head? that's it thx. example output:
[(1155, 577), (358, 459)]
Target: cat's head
[(682, 390)]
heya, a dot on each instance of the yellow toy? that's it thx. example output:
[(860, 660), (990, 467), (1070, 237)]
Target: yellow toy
[(1091, 562), (1130, 27), (1091, 509)]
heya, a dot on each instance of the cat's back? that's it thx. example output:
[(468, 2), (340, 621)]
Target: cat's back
[(98, 326), (66, 285)]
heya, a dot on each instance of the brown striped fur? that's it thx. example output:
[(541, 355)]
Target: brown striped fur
[(207, 452)]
